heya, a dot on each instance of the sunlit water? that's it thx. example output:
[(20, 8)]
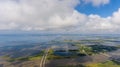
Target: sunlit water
[(18, 39)]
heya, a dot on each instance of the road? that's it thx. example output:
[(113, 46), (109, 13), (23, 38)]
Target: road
[(44, 57)]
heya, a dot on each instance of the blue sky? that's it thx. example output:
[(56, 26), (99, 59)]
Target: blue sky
[(103, 10)]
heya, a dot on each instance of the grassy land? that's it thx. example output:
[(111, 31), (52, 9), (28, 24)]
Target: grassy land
[(105, 64), (83, 50), (80, 65), (95, 49), (52, 56), (92, 49), (28, 58)]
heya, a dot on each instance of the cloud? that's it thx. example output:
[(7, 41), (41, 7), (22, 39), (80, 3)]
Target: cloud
[(36, 14), (54, 15), (110, 24), (116, 17), (97, 2), (97, 24), (9, 26)]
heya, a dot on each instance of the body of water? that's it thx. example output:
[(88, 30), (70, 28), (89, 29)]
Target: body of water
[(18, 39)]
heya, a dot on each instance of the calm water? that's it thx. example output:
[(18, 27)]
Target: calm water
[(24, 39), (17, 39)]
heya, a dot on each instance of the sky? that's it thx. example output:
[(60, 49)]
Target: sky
[(60, 16)]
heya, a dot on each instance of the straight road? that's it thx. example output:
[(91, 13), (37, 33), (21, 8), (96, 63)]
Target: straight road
[(43, 60)]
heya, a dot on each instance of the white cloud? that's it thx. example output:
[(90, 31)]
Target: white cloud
[(116, 17), (54, 15), (36, 13), (98, 24), (8, 26), (97, 2)]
